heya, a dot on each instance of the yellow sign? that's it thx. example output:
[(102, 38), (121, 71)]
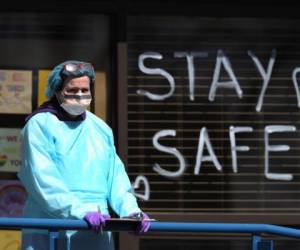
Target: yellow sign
[(100, 95), (43, 78), (10, 240)]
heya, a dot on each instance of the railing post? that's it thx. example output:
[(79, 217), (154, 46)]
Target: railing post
[(255, 241), (53, 235), (259, 244)]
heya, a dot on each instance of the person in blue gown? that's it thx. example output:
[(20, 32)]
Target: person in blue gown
[(70, 167)]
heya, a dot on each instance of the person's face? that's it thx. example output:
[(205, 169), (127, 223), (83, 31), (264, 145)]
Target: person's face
[(73, 86), (75, 96)]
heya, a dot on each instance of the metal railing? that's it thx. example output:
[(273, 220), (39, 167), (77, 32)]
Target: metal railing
[(54, 225)]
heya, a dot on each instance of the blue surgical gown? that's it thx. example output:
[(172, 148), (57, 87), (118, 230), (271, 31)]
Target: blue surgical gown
[(70, 169)]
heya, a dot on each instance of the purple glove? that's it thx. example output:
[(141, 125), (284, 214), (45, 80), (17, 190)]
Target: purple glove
[(144, 225), (96, 220)]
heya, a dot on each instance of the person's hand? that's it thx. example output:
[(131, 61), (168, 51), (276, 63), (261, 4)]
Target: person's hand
[(96, 220), (144, 224)]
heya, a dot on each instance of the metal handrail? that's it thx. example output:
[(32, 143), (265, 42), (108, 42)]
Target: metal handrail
[(54, 225)]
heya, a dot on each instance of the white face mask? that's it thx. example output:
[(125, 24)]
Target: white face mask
[(74, 104)]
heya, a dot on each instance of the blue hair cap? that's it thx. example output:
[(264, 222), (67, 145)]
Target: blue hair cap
[(56, 78)]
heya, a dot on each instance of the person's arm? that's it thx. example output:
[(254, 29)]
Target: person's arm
[(41, 177), (121, 197)]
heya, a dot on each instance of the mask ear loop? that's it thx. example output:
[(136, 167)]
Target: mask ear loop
[(59, 96)]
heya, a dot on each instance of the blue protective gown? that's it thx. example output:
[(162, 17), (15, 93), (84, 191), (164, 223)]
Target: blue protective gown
[(70, 169)]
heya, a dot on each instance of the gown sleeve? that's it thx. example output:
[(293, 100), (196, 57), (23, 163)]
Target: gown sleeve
[(121, 197), (41, 177)]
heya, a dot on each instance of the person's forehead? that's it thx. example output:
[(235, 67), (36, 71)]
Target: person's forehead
[(82, 81)]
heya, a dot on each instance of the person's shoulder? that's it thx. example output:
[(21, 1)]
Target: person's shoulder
[(99, 123), (40, 119)]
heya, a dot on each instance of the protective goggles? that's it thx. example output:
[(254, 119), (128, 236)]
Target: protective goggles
[(77, 97), (77, 69)]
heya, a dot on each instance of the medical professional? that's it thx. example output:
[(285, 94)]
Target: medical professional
[(70, 167)]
